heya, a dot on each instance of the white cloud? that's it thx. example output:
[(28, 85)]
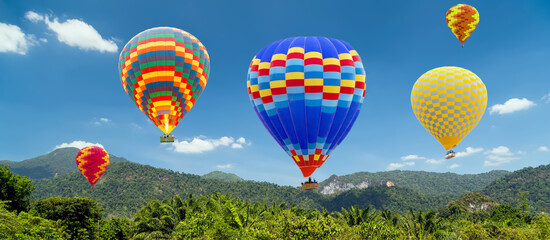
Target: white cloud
[(435, 161), (512, 105), (225, 166), (78, 144), (33, 17), (393, 166), (202, 144), (498, 156), (77, 33), (500, 150), (412, 157), (236, 145), (543, 149), (546, 98), (136, 126), (12, 39), (101, 121), (453, 166), (469, 151)]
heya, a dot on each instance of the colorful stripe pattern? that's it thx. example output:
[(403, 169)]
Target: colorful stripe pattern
[(307, 91), (92, 162), (462, 19), (449, 102), (164, 71)]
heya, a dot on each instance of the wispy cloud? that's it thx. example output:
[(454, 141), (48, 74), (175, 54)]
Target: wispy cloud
[(225, 166), (136, 126), (34, 17), (546, 98), (412, 157), (101, 121), (78, 144), (498, 156), (202, 144), (394, 166), (453, 166), (512, 105), (543, 148), (435, 161), (469, 151), (75, 33), (13, 39)]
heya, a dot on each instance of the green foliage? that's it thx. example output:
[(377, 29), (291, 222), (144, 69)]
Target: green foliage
[(511, 189), (227, 177), (116, 228), (473, 206), (125, 187), (509, 216), (26, 226), (78, 216), (429, 183), (14, 189), (58, 162)]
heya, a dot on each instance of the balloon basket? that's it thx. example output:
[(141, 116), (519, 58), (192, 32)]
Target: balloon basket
[(449, 155), (166, 139), (310, 186)]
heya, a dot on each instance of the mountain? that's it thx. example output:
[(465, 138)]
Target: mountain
[(420, 181), (509, 188), (126, 187), (227, 177), (58, 162)]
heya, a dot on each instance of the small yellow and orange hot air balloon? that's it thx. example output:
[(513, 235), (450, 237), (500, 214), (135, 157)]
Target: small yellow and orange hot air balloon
[(462, 19), (92, 161)]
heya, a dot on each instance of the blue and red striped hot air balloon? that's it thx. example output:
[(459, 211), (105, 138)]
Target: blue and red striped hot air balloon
[(307, 91)]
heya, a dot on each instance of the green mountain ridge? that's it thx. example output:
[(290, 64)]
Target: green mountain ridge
[(126, 186), (58, 162), (422, 181), (228, 177), (535, 181)]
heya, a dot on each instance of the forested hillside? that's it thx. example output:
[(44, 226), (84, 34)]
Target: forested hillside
[(126, 186), (425, 182), (58, 162), (228, 177), (530, 185)]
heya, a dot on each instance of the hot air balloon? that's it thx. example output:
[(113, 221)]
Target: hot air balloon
[(92, 162), (164, 71), (307, 92), (462, 19), (449, 102)]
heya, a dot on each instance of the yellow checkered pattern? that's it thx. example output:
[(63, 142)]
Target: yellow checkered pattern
[(449, 102)]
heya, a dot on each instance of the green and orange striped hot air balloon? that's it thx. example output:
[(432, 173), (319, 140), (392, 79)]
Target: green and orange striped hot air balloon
[(462, 19), (92, 162)]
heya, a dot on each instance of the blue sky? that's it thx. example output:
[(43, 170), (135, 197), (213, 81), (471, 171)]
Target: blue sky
[(60, 83)]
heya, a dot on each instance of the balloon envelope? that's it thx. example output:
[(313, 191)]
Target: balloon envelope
[(92, 162), (449, 102), (307, 91), (462, 19), (164, 71)]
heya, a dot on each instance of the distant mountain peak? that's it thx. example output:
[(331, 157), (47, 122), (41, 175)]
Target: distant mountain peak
[(219, 175), (49, 165)]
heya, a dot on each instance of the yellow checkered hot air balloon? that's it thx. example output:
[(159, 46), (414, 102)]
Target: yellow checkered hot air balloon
[(449, 102), (462, 19)]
